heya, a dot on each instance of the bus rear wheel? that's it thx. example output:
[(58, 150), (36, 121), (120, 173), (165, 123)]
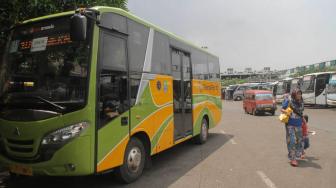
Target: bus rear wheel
[(203, 136), (134, 161)]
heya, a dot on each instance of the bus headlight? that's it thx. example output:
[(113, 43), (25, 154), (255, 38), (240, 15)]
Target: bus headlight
[(65, 134)]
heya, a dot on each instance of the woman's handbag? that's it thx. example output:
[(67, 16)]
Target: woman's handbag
[(284, 117)]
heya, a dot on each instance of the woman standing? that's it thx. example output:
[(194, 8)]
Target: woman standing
[(294, 127)]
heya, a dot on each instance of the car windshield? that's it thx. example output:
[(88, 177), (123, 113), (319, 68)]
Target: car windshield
[(264, 96), (43, 68)]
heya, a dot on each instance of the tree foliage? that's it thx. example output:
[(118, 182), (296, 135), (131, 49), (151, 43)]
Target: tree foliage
[(14, 11), (234, 81)]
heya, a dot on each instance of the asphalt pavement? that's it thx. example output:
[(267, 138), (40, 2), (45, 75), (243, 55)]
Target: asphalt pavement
[(243, 151)]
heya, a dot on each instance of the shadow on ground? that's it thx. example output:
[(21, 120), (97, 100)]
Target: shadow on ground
[(167, 168), (309, 162)]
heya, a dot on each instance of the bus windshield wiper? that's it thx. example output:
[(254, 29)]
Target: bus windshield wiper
[(59, 107), (62, 108)]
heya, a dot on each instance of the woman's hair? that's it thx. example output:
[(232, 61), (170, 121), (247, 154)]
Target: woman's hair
[(295, 92)]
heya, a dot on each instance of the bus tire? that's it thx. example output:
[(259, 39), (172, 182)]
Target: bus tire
[(204, 133), (134, 162)]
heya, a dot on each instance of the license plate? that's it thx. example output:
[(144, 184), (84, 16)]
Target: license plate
[(21, 170), (267, 108)]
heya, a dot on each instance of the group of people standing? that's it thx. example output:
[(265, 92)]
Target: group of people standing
[(296, 128)]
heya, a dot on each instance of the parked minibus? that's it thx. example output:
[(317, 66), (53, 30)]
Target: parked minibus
[(259, 102), (314, 88)]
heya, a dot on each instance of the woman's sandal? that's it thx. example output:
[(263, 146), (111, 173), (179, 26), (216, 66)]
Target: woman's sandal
[(294, 163)]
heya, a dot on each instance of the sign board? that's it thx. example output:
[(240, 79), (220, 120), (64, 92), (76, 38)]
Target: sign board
[(39, 44)]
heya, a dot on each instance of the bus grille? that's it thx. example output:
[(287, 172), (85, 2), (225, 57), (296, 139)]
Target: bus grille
[(20, 146), (21, 142), (21, 150), (24, 151)]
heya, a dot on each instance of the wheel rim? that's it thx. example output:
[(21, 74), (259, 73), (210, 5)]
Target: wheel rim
[(134, 159), (204, 131)]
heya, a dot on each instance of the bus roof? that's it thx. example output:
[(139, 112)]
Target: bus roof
[(318, 73), (104, 9)]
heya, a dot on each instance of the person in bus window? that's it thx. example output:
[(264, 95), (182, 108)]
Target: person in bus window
[(294, 126), (110, 111)]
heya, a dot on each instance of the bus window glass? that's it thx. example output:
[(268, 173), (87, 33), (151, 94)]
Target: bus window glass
[(114, 21), (308, 84), (200, 66), (295, 84), (332, 84), (137, 44), (280, 89), (213, 68), (114, 52), (161, 59), (134, 87)]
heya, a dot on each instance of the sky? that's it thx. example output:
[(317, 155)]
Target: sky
[(280, 34)]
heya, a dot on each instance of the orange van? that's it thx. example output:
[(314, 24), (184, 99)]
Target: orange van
[(258, 102)]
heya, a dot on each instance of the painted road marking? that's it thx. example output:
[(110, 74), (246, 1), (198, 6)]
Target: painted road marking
[(231, 140), (266, 180)]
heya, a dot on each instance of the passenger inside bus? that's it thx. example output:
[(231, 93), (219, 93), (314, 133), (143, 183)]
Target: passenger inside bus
[(113, 95)]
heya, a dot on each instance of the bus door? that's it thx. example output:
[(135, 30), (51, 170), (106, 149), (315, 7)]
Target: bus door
[(181, 71), (112, 96), (320, 90)]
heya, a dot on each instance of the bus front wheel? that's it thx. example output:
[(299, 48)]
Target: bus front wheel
[(203, 136), (134, 161)]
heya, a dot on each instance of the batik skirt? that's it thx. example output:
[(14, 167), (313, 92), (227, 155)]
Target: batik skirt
[(294, 140)]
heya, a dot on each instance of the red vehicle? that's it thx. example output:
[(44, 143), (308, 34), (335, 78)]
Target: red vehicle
[(258, 102)]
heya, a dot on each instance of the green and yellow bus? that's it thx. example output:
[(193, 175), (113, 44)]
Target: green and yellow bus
[(98, 90)]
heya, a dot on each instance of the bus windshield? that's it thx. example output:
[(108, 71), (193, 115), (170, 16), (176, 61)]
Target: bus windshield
[(280, 89), (308, 84), (43, 69), (332, 85), (295, 84), (266, 96)]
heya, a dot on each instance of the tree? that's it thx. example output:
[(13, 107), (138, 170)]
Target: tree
[(14, 11)]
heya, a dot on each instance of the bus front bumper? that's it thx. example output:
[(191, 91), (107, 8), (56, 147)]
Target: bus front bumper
[(73, 159)]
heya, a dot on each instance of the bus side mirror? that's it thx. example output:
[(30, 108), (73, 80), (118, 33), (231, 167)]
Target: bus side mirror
[(78, 25)]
